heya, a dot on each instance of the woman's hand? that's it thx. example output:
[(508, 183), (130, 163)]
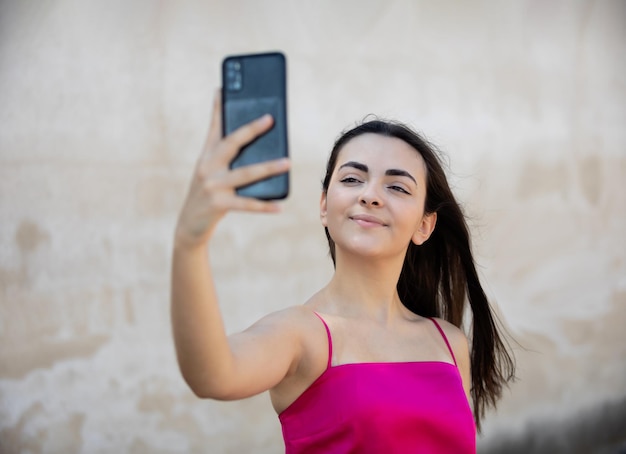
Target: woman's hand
[(212, 191)]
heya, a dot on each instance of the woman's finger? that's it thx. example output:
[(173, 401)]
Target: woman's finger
[(243, 176), (235, 141), (253, 205)]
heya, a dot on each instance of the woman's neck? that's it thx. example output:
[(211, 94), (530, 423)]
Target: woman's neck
[(365, 287)]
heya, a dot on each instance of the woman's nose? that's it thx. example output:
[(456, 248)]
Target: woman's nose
[(370, 196)]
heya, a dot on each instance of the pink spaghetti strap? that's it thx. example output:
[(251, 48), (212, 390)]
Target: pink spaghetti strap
[(444, 338), (330, 340)]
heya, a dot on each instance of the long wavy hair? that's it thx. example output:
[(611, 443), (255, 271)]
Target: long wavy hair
[(439, 278)]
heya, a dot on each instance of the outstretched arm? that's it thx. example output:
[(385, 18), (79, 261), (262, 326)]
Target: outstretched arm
[(213, 364)]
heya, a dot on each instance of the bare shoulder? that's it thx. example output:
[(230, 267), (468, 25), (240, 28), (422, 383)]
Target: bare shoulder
[(293, 318), (456, 337), (287, 333), (294, 324)]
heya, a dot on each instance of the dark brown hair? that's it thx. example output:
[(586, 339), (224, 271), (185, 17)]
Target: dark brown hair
[(439, 277)]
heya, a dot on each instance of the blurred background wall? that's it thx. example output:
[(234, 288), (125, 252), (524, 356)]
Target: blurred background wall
[(103, 110)]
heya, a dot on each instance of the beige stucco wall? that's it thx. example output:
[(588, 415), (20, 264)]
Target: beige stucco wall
[(103, 109)]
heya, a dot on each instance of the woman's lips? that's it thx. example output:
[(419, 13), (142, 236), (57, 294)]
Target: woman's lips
[(368, 221)]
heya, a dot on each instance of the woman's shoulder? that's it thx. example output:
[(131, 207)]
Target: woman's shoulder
[(455, 335), (298, 320), (302, 317), (298, 326)]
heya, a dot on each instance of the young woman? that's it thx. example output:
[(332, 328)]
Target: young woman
[(376, 360)]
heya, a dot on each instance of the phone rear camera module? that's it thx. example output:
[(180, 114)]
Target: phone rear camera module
[(234, 77)]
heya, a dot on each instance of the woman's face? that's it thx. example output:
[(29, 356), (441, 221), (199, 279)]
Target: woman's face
[(374, 204)]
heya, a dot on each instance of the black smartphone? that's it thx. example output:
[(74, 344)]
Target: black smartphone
[(254, 85)]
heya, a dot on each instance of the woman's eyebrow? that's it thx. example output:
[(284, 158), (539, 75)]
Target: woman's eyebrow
[(356, 165), (391, 172), (400, 173)]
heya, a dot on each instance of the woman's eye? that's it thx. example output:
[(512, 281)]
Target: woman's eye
[(399, 189), (349, 180)]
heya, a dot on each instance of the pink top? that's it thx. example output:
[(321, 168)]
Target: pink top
[(407, 407)]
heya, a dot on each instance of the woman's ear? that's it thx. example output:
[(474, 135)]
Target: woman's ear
[(323, 209), (424, 229)]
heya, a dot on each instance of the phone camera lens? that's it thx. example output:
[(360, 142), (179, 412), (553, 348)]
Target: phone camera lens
[(234, 78)]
